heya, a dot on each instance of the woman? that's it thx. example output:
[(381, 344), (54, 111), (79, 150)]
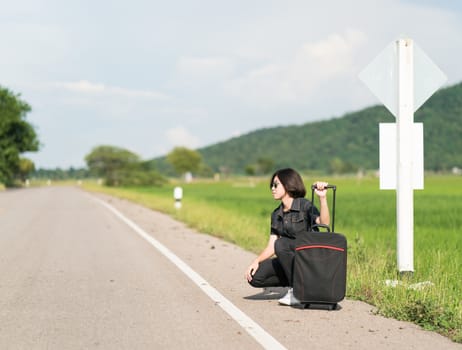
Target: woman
[(292, 216)]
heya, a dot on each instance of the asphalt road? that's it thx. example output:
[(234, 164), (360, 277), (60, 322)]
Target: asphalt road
[(75, 275)]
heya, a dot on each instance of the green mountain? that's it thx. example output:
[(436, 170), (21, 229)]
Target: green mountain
[(346, 143)]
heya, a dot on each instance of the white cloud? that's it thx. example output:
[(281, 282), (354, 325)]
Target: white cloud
[(333, 54), (96, 101), (83, 86), (312, 63), (180, 136), (87, 87)]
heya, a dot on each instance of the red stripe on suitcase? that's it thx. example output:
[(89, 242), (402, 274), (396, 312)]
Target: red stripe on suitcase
[(320, 246)]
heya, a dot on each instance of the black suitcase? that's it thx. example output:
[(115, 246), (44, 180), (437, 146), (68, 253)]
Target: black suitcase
[(320, 265)]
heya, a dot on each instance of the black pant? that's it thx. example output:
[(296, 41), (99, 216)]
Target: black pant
[(277, 272)]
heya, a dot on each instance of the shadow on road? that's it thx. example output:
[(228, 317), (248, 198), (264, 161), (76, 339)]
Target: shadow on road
[(269, 293)]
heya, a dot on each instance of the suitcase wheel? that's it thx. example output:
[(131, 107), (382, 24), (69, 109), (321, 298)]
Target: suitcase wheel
[(322, 306)]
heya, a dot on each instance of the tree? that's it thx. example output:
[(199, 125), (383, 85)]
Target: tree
[(61, 174), (108, 161), (184, 160), (120, 167), (250, 170), (26, 166), (265, 165), (16, 135), (338, 166)]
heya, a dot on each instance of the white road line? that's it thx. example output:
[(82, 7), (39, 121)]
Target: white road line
[(257, 332)]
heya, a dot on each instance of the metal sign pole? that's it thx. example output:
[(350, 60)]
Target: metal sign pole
[(405, 145)]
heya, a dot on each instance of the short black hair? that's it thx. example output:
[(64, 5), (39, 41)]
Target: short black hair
[(292, 182)]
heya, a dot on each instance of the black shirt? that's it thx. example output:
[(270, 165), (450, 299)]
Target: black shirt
[(299, 218)]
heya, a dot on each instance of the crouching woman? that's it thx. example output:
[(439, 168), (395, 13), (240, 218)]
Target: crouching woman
[(273, 267)]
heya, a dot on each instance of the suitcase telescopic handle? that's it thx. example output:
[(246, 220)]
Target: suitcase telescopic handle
[(313, 187), (334, 189)]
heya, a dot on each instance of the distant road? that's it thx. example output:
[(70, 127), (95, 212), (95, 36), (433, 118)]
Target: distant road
[(75, 273)]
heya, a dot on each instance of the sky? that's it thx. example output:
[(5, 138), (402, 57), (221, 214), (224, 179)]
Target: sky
[(149, 75)]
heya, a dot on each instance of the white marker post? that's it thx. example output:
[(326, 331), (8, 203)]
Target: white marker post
[(403, 78), (178, 196)]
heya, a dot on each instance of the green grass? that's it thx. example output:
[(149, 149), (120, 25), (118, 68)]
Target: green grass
[(238, 210)]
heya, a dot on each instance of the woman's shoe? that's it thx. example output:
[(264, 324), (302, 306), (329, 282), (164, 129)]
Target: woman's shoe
[(289, 298)]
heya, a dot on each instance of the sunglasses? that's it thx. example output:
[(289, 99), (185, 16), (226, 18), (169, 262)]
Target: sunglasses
[(275, 185)]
